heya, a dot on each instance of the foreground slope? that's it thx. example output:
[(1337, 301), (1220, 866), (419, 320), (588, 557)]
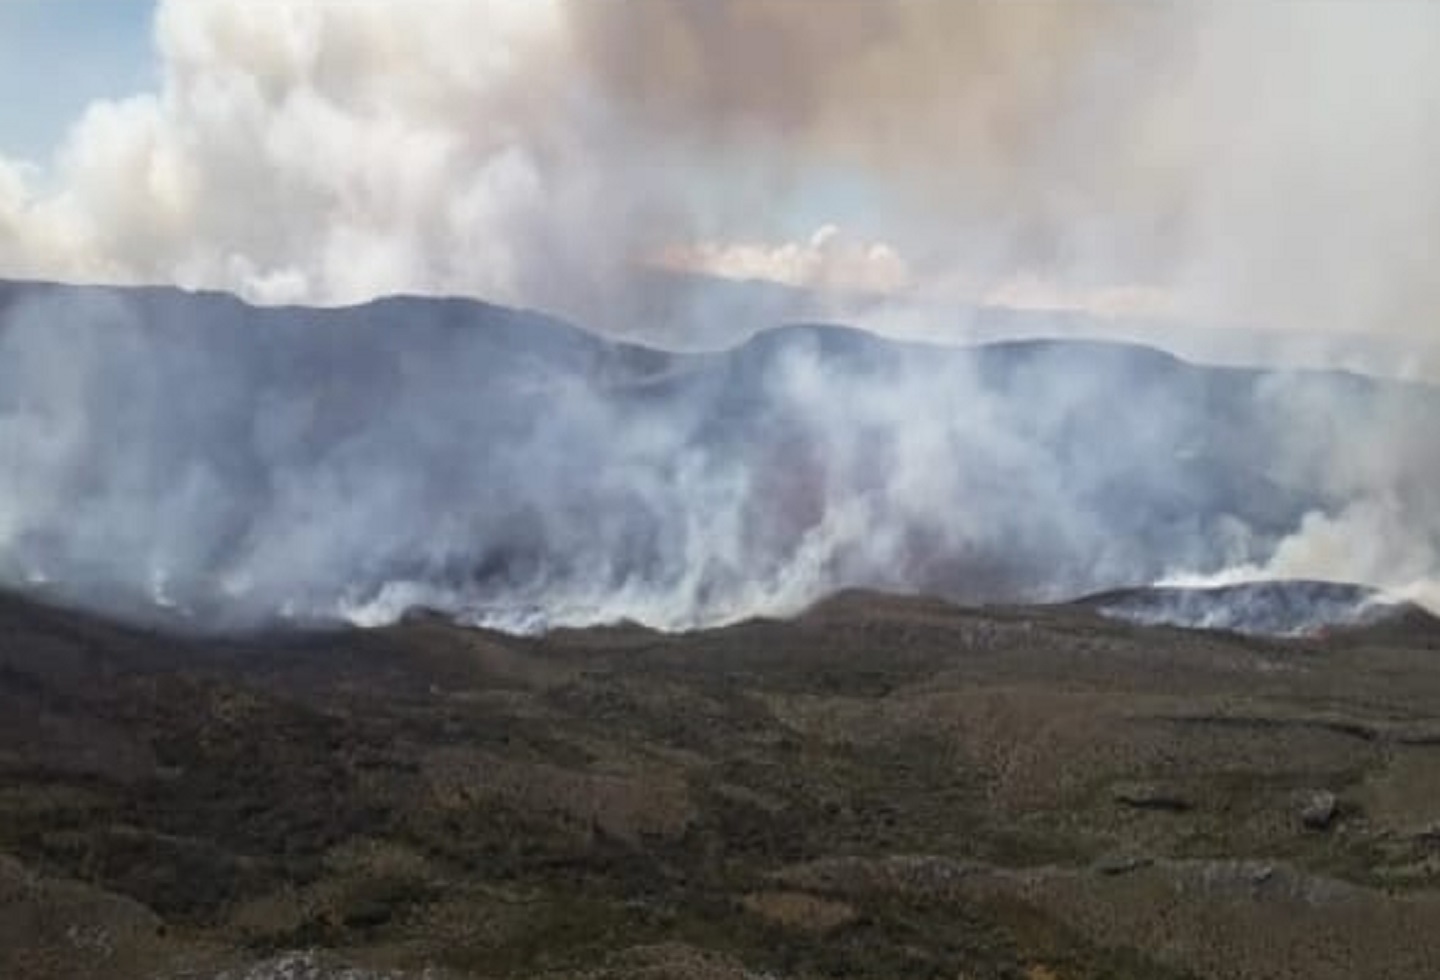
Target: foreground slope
[(882, 787)]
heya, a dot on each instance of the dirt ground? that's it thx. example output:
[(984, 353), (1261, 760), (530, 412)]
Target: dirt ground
[(884, 787)]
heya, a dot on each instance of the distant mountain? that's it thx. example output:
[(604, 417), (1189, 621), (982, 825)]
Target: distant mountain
[(690, 311), (189, 457)]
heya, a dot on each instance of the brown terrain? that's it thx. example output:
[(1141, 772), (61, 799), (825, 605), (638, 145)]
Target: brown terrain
[(884, 787)]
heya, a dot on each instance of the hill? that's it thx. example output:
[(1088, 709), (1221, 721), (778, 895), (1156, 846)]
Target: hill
[(884, 786), (187, 459)]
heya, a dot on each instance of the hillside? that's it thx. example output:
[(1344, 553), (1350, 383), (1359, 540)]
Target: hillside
[(188, 459), (882, 787)]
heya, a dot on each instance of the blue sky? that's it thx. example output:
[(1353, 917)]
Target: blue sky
[(58, 55)]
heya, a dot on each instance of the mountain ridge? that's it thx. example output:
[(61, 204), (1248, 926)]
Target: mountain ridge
[(258, 464)]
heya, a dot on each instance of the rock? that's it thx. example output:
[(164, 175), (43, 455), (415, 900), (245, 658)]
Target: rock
[(1148, 796), (1121, 864), (1319, 810)]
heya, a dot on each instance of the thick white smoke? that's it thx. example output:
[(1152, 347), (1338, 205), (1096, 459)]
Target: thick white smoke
[(1231, 163), (324, 152), (1236, 163)]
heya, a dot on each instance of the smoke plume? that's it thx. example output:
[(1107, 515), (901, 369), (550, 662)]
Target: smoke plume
[(1261, 165), (1211, 166), (220, 465)]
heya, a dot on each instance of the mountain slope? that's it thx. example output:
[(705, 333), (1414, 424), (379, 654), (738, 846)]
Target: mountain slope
[(189, 459)]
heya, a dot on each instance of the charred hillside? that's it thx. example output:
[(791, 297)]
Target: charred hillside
[(1284, 608), (186, 458)]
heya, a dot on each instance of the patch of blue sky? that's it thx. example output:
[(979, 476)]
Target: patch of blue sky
[(846, 198), (735, 198), (58, 56)]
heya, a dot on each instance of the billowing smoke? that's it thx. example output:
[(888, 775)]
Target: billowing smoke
[(1264, 165), (1210, 166), (327, 152), (211, 463), (1294, 608), (1261, 164)]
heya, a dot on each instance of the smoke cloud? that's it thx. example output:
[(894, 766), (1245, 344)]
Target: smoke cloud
[(1265, 165), (1250, 165), (826, 261), (212, 464), (330, 152), (1205, 166)]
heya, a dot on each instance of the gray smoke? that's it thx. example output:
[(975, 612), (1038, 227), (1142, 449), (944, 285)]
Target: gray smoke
[(205, 462), (1292, 609)]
